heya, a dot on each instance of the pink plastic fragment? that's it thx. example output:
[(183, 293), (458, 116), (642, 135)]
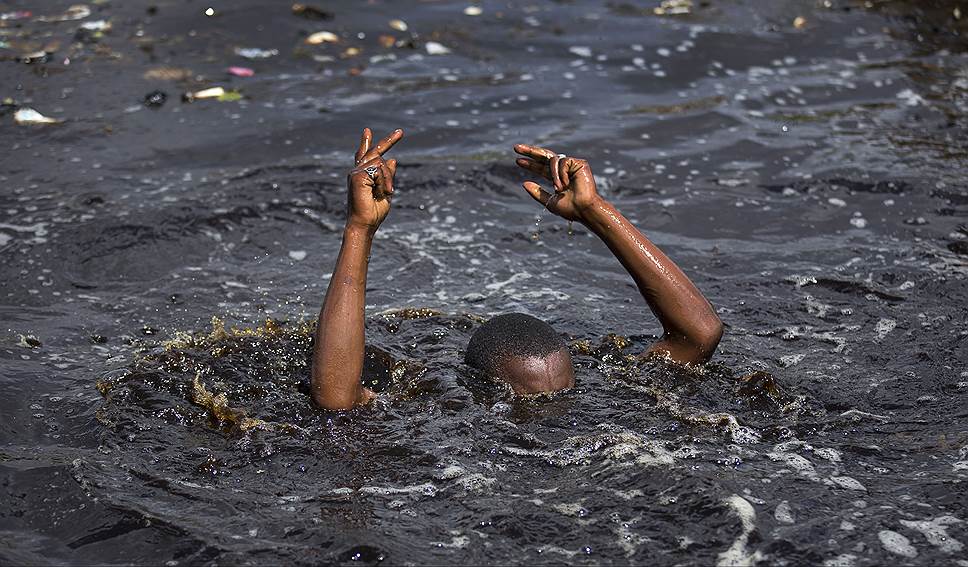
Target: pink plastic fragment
[(241, 71)]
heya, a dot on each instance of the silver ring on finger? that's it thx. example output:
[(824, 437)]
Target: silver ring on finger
[(372, 171)]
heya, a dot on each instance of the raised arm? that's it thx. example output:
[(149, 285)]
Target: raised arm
[(691, 327), (340, 339)]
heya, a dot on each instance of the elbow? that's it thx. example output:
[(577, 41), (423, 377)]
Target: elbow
[(706, 337)]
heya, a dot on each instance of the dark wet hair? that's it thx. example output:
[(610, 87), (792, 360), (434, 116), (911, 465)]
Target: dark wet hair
[(509, 335)]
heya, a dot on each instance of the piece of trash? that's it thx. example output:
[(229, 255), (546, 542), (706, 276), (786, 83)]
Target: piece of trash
[(398, 25), (255, 52), (75, 12), (311, 12), (240, 71), (155, 99), (229, 96), (18, 15), (97, 26), (322, 37), (31, 116), (167, 74), (799, 22), (209, 11), (297, 255), (473, 11), (673, 8), (35, 57), (434, 48), (29, 341), (387, 41), (580, 51), (213, 92), (350, 52)]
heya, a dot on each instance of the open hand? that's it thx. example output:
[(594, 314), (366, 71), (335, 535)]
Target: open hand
[(370, 183), (575, 192)]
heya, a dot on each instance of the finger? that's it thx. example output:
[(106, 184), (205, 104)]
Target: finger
[(386, 143), (392, 166), (541, 155), (359, 176), (365, 142), (534, 167), (555, 178), (563, 167), (539, 194), (386, 179)]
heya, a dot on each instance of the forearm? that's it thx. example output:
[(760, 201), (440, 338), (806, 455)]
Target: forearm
[(340, 336), (691, 327)]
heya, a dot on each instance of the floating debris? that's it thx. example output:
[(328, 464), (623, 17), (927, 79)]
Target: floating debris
[(322, 37), (311, 12), (155, 99), (213, 92), (473, 11), (799, 22), (75, 12), (230, 96), (398, 25), (29, 341), (350, 52), (387, 41), (31, 116), (580, 51), (673, 8), (434, 48), (97, 26), (209, 11), (18, 15), (240, 71), (35, 57), (255, 52), (167, 74)]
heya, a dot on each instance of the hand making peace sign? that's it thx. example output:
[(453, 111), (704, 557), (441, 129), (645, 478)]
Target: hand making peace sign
[(370, 183)]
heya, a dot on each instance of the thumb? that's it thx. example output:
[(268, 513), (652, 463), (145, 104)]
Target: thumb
[(539, 194)]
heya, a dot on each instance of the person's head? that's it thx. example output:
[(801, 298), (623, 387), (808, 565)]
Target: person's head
[(523, 351)]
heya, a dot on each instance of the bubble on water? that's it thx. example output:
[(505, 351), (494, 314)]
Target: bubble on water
[(297, 255)]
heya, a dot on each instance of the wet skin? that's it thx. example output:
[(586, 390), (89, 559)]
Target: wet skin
[(691, 328)]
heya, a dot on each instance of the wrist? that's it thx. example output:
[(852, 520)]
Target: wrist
[(597, 211), (358, 231)]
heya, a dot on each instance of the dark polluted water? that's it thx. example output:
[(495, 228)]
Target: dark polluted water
[(163, 261)]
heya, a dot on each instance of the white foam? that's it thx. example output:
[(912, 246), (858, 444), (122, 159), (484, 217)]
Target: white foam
[(783, 513), (897, 544), (936, 532), (883, 327), (427, 488), (844, 560), (848, 483), (737, 555)]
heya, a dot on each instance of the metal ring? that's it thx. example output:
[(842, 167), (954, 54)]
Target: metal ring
[(372, 171)]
